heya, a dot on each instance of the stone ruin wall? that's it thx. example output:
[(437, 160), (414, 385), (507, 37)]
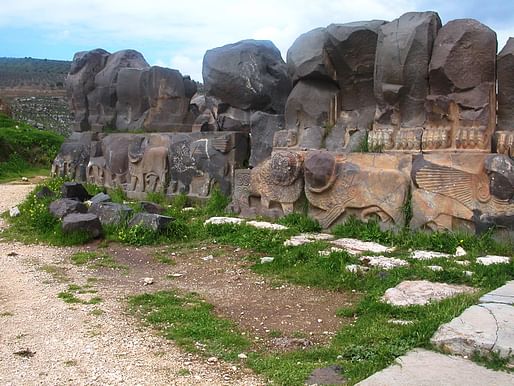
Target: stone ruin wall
[(364, 119)]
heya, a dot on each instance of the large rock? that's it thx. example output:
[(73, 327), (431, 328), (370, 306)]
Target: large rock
[(155, 222), (484, 328), (81, 81), (502, 295), (154, 99), (461, 105), (500, 169), (249, 75), (403, 54), (75, 190), (64, 206), (505, 70), (102, 99), (82, 222), (308, 111), (111, 213), (308, 58)]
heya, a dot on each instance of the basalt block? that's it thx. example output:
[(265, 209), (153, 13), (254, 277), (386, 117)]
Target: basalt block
[(249, 75), (403, 55), (461, 107), (505, 71)]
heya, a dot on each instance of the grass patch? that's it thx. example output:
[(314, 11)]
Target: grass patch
[(24, 150), (494, 362), (190, 321), (6, 314), (58, 273), (70, 295), (96, 260)]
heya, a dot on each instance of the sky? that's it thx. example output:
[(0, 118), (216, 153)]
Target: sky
[(176, 34)]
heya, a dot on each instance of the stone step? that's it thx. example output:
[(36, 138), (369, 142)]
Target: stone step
[(426, 368), (504, 295)]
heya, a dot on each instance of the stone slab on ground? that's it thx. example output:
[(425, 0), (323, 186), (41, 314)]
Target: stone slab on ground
[(429, 255), (354, 246), (484, 328), (223, 220), (383, 262), (425, 368), (504, 294), (421, 292), (492, 259), (266, 225), (306, 238)]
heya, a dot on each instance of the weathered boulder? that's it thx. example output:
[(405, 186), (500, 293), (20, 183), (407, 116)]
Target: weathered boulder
[(152, 221), (111, 213), (64, 206), (308, 58), (82, 222), (308, 107), (155, 98), (102, 99), (403, 54), (462, 87), (505, 71), (250, 75), (75, 190), (81, 81)]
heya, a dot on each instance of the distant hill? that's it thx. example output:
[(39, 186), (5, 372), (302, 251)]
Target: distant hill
[(33, 73)]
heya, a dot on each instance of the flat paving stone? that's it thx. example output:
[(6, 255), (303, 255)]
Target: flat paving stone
[(492, 259), (421, 292), (426, 368), (354, 246), (306, 238), (385, 263), (428, 255), (223, 220), (266, 225), (504, 294), (485, 328)]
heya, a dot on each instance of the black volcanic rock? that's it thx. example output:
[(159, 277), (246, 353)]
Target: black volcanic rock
[(505, 72), (249, 75)]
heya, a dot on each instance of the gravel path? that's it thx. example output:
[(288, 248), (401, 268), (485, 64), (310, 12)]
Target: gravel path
[(73, 344)]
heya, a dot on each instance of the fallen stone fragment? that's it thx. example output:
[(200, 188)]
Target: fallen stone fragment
[(212, 360), (469, 273), (207, 258), (504, 295), (147, 280), (306, 238), (45, 192), (426, 368), (483, 328), (151, 207), (65, 206), (242, 356), (383, 262), (99, 198), (83, 222), (111, 212), (14, 212), (354, 246), (75, 191), (267, 225), (435, 268), (223, 220), (462, 262), (24, 179), (267, 259), (330, 375), (422, 292), (152, 221), (491, 259)]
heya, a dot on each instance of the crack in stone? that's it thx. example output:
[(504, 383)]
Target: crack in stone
[(497, 325)]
